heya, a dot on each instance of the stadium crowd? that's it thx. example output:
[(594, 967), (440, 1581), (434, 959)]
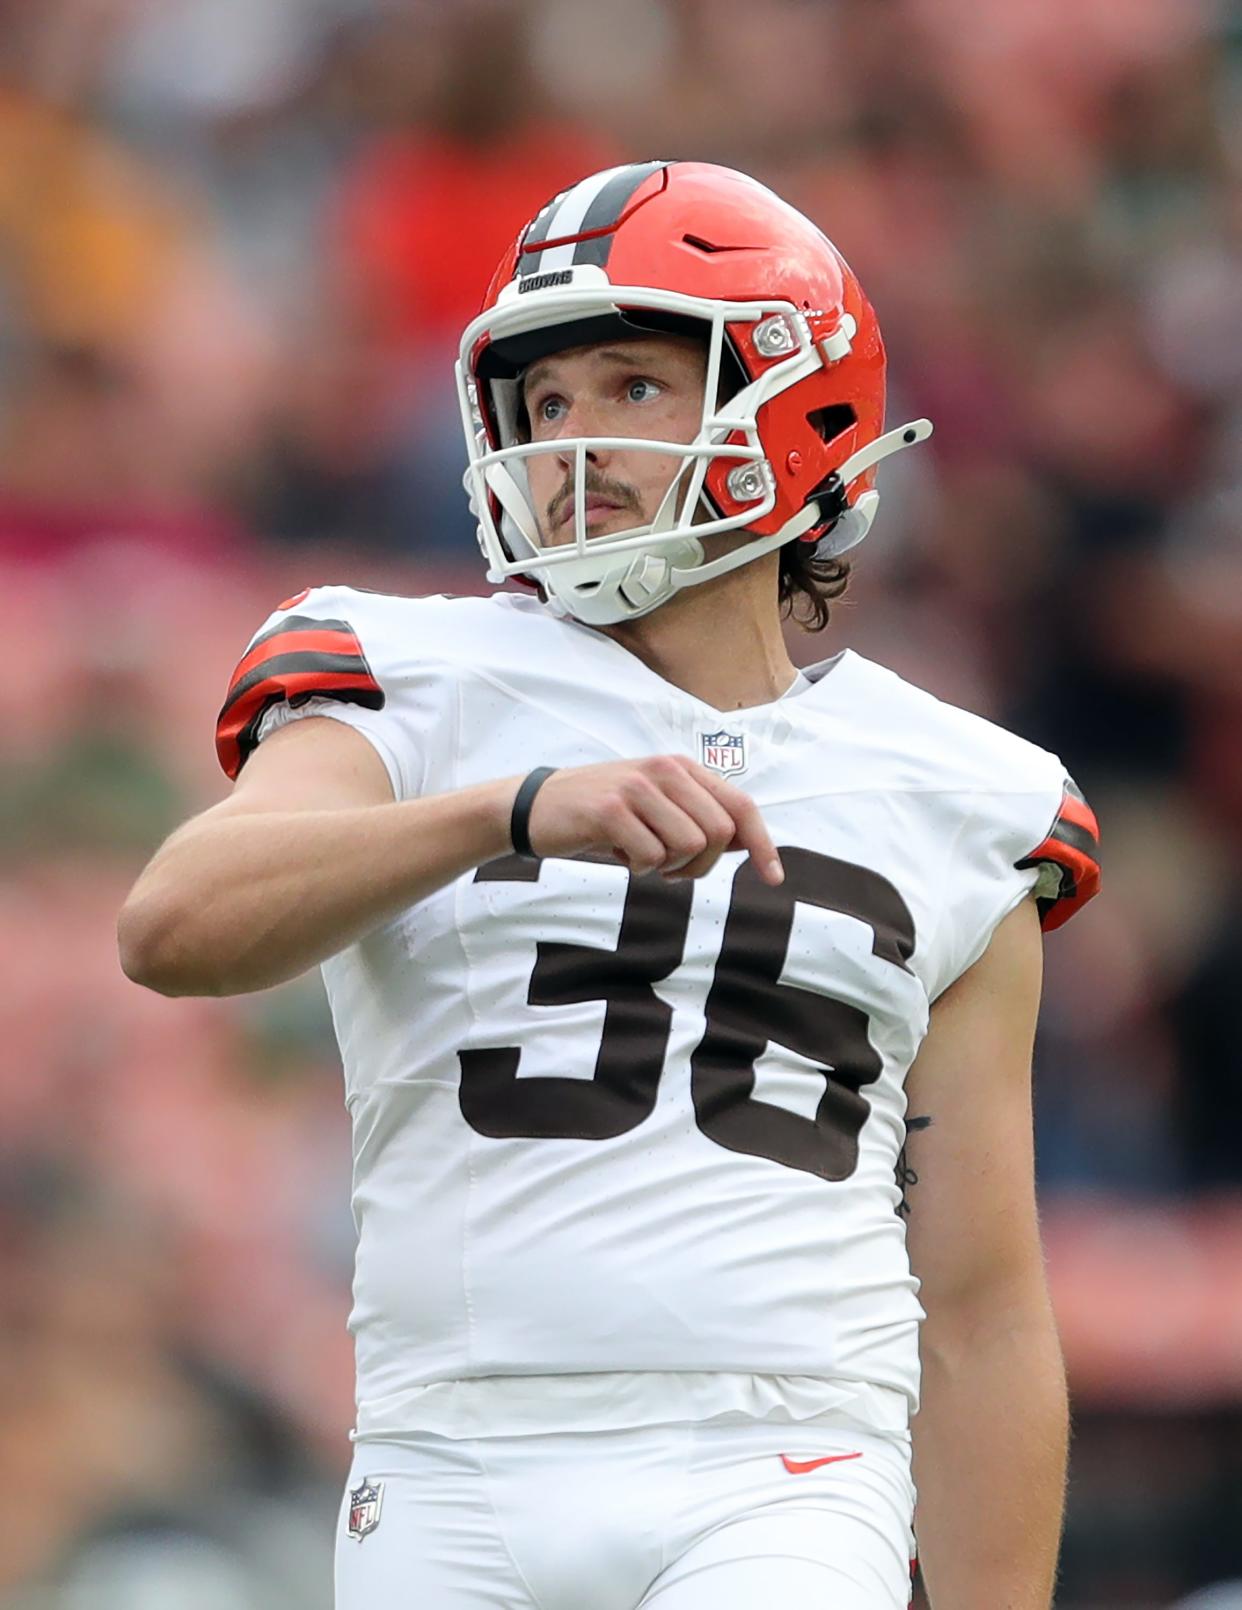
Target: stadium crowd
[(237, 245)]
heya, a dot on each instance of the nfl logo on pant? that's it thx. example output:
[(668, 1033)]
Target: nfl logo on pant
[(723, 751), (364, 1507)]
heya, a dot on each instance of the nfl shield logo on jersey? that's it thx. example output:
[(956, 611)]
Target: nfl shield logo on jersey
[(364, 1507), (723, 751)]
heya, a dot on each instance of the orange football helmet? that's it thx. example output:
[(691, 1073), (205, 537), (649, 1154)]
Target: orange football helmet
[(793, 410)]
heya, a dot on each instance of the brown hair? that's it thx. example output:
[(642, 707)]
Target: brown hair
[(808, 585)]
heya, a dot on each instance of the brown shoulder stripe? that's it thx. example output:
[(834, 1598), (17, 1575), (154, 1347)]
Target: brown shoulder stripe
[(1075, 810), (297, 634), (301, 623), (296, 663), (1075, 836)]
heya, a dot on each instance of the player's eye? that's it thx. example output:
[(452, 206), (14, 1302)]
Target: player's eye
[(549, 410), (641, 390)]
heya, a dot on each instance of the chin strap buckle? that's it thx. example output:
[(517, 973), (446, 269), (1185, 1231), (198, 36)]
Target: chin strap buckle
[(644, 579)]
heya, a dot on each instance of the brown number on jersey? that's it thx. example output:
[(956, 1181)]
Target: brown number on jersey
[(747, 1007)]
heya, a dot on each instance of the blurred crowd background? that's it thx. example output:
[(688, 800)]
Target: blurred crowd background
[(238, 240)]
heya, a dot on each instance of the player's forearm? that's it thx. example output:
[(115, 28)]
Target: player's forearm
[(990, 1445), (233, 903)]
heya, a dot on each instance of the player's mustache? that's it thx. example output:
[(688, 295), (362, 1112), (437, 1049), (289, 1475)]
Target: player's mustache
[(625, 497)]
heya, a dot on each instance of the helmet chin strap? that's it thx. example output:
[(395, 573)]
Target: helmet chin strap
[(605, 588), (652, 578)]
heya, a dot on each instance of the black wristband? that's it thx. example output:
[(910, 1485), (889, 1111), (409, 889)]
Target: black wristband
[(519, 822)]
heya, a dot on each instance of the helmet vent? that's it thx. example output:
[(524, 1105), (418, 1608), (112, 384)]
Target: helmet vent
[(710, 246), (828, 423)]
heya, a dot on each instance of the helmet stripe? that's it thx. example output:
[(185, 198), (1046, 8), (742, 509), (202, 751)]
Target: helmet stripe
[(538, 229), (561, 217), (593, 205), (605, 211)]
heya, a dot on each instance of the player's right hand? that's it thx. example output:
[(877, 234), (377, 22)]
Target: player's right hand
[(663, 814)]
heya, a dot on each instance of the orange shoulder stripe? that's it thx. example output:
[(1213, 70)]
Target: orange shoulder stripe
[(328, 639), (1080, 880), (1081, 814)]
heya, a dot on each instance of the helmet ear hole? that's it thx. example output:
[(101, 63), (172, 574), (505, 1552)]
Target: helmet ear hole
[(829, 423)]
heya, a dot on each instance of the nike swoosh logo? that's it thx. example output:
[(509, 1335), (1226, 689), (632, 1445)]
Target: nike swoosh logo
[(799, 1467)]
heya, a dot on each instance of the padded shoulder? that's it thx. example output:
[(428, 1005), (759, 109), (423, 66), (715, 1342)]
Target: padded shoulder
[(1027, 810), (311, 646), (937, 745), (363, 651)]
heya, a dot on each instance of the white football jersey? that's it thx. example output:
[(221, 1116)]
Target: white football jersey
[(620, 1128)]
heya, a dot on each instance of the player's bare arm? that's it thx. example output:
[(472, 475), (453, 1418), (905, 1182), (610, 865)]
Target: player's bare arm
[(310, 852), (990, 1438)]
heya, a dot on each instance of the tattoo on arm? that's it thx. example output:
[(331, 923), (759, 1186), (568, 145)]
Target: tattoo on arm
[(906, 1177)]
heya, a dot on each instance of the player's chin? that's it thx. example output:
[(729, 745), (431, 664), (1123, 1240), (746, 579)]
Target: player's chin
[(599, 523), (619, 524)]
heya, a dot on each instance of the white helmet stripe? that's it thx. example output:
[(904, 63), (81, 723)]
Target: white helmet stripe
[(566, 219), (594, 207)]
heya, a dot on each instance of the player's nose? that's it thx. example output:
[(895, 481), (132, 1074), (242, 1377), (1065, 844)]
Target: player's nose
[(584, 417)]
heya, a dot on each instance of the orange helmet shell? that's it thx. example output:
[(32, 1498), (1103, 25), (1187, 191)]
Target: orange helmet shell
[(705, 231)]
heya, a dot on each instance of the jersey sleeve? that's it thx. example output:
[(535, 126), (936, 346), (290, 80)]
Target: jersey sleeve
[(1037, 838), (311, 657), (1067, 859)]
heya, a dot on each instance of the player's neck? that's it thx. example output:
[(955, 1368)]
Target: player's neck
[(721, 641)]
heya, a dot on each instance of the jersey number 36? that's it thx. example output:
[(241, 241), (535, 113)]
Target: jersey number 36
[(747, 1007)]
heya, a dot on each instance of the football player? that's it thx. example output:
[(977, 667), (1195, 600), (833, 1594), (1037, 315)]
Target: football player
[(638, 943)]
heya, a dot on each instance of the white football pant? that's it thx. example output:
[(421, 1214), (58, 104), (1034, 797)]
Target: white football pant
[(741, 1516)]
